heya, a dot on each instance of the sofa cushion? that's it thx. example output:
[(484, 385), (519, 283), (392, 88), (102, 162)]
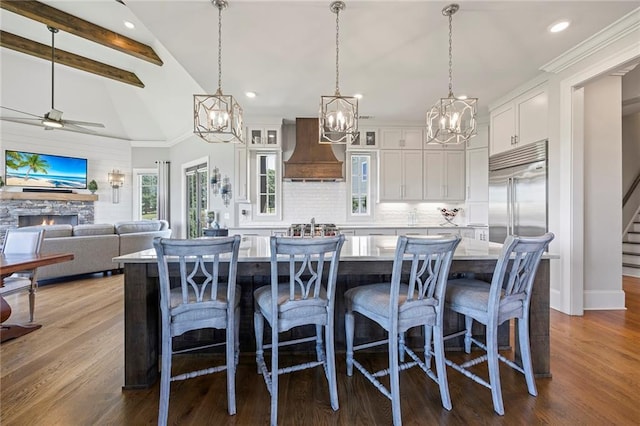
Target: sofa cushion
[(51, 231), (93, 229), (137, 226)]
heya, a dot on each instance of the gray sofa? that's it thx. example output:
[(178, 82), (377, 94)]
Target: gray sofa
[(95, 245)]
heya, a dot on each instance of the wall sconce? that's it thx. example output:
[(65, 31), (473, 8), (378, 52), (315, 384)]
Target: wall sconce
[(116, 180), (225, 191), (215, 181)]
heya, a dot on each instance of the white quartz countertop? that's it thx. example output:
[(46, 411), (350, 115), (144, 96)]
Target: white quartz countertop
[(366, 248), (361, 226)]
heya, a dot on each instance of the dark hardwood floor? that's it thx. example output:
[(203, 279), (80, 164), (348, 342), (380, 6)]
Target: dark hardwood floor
[(70, 372)]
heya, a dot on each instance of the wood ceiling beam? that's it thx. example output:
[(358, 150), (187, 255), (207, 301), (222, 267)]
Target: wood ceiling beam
[(73, 25), (30, 47)]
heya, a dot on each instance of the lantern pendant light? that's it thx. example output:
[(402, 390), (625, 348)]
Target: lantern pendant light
[(338, 121), (218, 118), (452, 120)]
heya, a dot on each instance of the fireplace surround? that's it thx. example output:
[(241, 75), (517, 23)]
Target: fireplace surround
[(14, 205)]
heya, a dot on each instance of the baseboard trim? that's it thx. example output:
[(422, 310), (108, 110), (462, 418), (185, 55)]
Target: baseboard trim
[(604, 300)]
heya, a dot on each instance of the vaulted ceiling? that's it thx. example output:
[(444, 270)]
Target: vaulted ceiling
[(394, 53)]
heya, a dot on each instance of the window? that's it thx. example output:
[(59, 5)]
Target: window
[(267, 184), (146, 199), (197, 201), (360, 184)]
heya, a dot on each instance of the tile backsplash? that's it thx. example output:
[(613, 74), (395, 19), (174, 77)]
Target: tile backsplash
[(327, 203)]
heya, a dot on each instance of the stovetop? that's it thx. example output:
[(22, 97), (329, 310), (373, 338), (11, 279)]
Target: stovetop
[(319, 230)]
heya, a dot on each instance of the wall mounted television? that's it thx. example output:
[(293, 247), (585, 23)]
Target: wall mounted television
[(32, 170)]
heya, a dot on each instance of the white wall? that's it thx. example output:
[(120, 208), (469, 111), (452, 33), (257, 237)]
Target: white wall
[(567, 172), (103, 155), (603, 191), (220, 155)]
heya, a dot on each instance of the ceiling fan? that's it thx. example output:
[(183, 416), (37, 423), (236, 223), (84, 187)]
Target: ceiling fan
[(52, 119)]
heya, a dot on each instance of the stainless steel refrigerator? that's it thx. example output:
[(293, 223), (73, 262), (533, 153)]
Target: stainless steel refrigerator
[(518, 192)]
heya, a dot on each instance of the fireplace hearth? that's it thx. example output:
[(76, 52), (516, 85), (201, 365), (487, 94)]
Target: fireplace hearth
[(47, 219)]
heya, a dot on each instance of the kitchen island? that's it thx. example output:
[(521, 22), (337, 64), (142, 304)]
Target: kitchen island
[(363, 260)]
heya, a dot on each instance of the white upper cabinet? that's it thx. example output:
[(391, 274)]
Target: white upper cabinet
[(478, 175), (520, 121), (401, 138), (401, 175), (444, 174), (264, 136), (367, 139)]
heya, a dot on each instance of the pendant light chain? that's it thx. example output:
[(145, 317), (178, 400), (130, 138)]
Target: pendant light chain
[(450, 56), (337, 50), (220, 48)]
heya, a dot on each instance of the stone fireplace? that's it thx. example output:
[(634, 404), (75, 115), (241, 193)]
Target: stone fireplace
[(18, 208)]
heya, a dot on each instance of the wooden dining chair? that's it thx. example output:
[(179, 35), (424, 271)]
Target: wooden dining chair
[(401, 305), (507, 297), (22, 242), (304, 296), (202, 300)]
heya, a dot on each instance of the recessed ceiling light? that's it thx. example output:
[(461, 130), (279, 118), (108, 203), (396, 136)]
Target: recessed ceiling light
[(462, 97), (556, 27), (358, 96), (250, 94), (129, 25)]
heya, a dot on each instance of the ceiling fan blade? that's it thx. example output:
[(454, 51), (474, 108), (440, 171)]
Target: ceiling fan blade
[(83, 123), (29, 121), (22, 112), (73, 128)]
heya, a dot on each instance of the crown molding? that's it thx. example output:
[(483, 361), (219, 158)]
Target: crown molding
[(614, 32)]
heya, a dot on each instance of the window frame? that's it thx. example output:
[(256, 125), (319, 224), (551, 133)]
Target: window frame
[(137, 193), (371, 185)]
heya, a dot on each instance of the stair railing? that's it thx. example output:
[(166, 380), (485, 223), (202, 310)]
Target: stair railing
[(633, 187)]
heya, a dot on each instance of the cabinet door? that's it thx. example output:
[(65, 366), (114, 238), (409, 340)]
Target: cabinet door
[(412, 139), (445, 230), (263, 136), (241, 169), (390, 138), (375, 231), (532, 117), (390, 175), (468, 233), (478, 175), (454, 183), (503, 129), (396, 138), (434, 175), (412, 170), (477, 213)]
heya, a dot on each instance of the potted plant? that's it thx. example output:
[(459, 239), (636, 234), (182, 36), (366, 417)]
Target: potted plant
[(1, 183), (93, 186)]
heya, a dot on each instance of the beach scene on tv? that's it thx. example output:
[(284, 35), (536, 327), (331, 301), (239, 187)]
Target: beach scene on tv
[(45, 171)]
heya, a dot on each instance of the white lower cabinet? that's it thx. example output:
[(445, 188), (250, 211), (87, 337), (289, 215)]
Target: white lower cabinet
[(411, 232), (375, 231), (461, 231), (401, 175), (482, 234), (444, 175)]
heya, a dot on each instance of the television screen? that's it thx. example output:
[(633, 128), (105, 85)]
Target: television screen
[(44, 171)]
